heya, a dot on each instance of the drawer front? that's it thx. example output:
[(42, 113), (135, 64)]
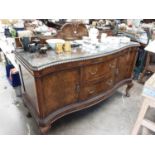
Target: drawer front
[(90, 90), (97, 71)]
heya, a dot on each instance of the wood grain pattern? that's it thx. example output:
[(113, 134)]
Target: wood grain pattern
[(60, 89), (99, 70), (69, 87), (72, 31)]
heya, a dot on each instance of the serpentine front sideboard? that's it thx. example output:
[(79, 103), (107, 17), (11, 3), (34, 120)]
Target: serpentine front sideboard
[(56, 85)]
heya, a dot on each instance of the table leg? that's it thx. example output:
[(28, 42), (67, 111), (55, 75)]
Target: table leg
[(141, 115), (129, 86)]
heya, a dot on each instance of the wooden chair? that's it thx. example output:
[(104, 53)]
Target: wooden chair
[(141, 121), (148, 102)]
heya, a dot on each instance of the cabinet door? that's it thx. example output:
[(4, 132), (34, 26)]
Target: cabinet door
[(60, 89), (125, 65)]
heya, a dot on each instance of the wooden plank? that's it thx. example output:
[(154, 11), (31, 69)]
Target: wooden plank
[(149, 124), (150, 83), (151, 99), (149, 88), (141, 116)]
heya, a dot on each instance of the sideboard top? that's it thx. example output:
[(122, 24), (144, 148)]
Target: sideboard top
[(38, 61)]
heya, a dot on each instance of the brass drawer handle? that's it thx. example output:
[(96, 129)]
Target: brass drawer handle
[(91, 91), (109, 82), (112, 65), (93, 72)]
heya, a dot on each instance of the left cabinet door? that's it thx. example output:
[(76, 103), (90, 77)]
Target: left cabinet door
[(60, 89)]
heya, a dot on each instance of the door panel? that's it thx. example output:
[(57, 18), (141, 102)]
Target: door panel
[(125, 64), (60, 89)]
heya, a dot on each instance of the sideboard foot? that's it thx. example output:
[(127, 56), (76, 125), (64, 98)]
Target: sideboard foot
[(44, 129), (129, 86), (24, 105), (28, 115)]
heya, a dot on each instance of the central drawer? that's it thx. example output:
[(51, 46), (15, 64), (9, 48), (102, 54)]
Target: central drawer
[(98, 71), (92, 89)]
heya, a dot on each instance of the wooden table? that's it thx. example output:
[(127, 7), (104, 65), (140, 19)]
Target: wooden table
[(148, 102)]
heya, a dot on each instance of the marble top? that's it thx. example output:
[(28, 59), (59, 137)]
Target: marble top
[(38, 61)]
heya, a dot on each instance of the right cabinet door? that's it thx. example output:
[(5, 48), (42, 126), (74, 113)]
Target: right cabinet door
[(125, 64)]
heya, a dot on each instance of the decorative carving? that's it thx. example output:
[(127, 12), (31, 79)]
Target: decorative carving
[(72, 31)]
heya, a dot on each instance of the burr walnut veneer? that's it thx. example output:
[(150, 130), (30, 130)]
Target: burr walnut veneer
[(58, 86)]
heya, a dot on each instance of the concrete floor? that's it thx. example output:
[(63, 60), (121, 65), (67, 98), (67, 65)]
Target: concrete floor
[(115, 116)]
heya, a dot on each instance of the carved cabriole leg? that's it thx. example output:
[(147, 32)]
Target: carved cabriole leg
[(142, 76), (44, 129), (129, 86)]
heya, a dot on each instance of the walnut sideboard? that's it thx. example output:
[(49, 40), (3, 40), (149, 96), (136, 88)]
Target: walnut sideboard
[(56, 85)]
